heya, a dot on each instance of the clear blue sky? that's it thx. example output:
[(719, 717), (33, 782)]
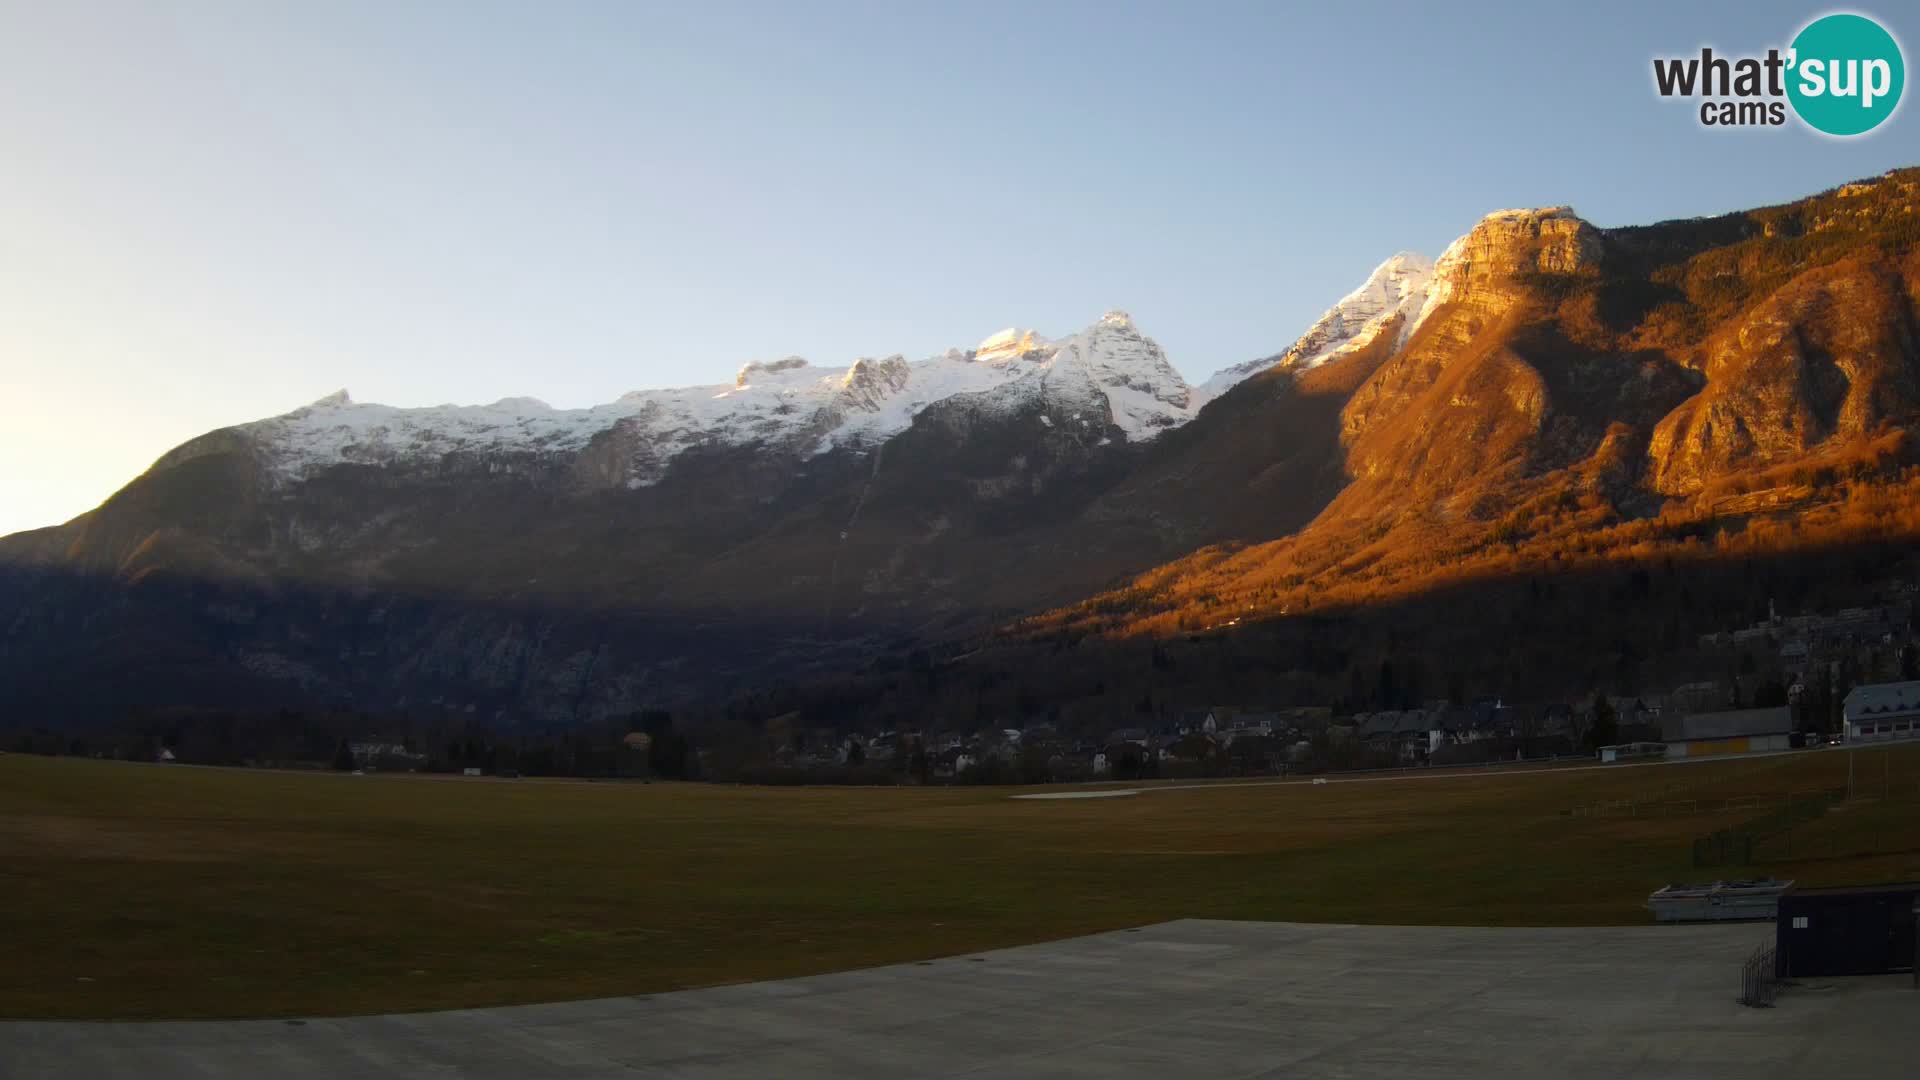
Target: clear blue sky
[(217, 210)]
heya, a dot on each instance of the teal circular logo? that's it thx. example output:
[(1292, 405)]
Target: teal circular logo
[(1846, 75)]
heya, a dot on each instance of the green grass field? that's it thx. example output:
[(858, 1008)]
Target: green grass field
[(148, 891)]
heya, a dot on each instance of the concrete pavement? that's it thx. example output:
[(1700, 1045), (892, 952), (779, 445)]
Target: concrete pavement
[(1189, 998)]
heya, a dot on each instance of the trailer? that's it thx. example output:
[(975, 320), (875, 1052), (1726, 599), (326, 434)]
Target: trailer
[(1717, 901)]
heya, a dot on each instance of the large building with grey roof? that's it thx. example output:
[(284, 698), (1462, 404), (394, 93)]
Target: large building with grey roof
[(1731, 731), (1881, 712)]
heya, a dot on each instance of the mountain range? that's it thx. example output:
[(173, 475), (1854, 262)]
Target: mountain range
[(1546, 396)]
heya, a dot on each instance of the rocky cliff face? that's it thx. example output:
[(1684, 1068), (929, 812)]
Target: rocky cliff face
[(1826, 359), (1566, 390), (1465, 399), (1531, 355)]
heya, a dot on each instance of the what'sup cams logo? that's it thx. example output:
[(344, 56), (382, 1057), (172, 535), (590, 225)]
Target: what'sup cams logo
[(1842, 76)]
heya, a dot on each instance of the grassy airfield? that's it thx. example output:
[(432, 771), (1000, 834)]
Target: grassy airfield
[(150, 891)]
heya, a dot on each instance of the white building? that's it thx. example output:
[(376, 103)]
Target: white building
[(1879, 712)]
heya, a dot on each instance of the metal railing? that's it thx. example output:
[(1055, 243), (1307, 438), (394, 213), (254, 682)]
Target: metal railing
[(1736, 844), (1758, 980)]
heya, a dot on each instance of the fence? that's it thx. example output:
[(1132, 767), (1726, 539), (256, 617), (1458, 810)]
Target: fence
[(1736, 845), (1759, 983), (1684, 796), (1655, 808), (1728, 846), (1697, 795)]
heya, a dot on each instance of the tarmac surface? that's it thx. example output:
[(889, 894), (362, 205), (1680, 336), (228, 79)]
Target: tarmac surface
[(1189, 998)]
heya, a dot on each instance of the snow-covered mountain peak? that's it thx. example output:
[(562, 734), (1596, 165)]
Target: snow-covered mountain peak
[(520, 405), (753, 369), (1109, 372), (1530, 213), (1396, 287), (1008, 344), (1143, 392), (1390, 283), (1393, 295), (869, 383)]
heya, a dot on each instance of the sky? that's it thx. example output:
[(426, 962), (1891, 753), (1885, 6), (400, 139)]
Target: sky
[(213, 211)]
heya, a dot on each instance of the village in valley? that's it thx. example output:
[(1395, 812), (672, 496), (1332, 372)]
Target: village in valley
[(1790, 682), (1786, 682)]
